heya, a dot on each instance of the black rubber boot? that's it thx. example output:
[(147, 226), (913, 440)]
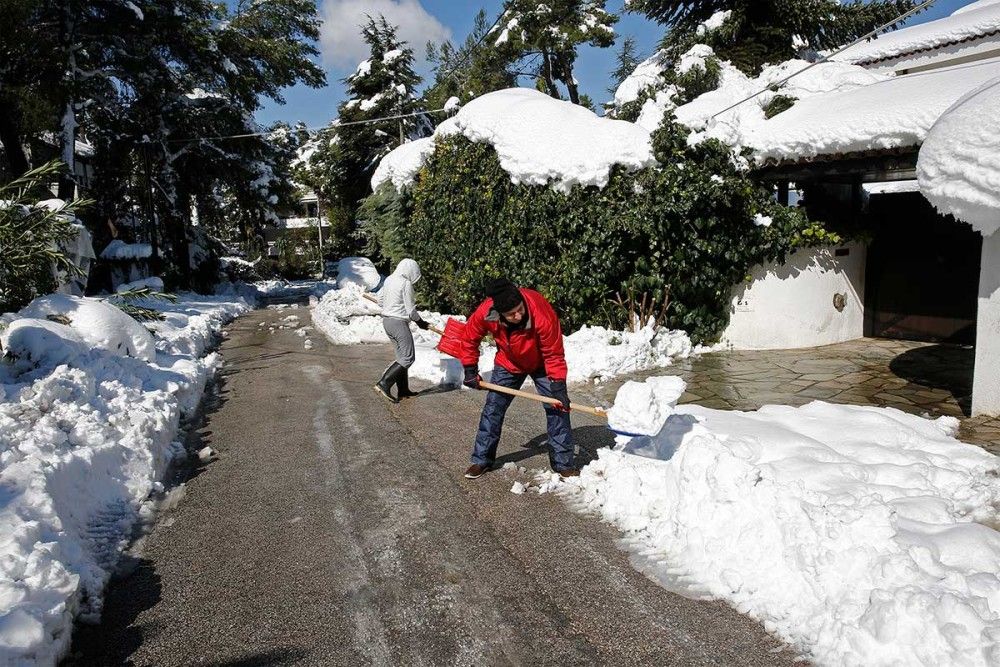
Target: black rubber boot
[(403, 384), (388, 379)]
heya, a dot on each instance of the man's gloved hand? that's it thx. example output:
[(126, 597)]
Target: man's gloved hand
[(558, 389), (472, 378), (422, 324)]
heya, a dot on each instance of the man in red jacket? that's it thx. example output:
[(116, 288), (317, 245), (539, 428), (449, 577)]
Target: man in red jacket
[(529, 343)]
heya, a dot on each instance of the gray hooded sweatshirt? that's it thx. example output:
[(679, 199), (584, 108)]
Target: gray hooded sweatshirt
[(396, 295)]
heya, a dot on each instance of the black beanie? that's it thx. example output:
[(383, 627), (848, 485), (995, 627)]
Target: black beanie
[(505, 295)]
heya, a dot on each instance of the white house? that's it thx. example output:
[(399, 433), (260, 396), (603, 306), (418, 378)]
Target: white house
[(306, 214), (925, 275)]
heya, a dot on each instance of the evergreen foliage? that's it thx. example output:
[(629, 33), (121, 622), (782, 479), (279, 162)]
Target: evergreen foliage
[(759, 32), (474, 68)]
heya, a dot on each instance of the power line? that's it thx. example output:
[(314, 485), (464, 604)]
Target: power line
[(901, 17), (332, 123)]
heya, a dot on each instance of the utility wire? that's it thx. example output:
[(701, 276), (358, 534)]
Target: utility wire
[(901, 17), (332, 123)]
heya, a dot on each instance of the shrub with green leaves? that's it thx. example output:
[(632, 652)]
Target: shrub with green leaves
[(32, 238), (686, 226)]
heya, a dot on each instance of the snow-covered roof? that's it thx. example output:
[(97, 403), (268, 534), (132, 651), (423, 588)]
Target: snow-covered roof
[(738, 126), (959, 163), (541, 140), (893, 113), (972, 22)]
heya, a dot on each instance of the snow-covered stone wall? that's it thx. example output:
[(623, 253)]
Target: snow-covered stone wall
[(795, 304)]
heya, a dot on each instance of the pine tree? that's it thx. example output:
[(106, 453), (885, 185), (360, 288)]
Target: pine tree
[(475, 68), (551, 32), (626, 61), (382, 86), (758, 32)]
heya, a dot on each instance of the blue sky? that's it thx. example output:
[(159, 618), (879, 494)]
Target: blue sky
[(438, 19)]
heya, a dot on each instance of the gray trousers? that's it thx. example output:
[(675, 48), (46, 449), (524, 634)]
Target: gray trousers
[(400, 335)]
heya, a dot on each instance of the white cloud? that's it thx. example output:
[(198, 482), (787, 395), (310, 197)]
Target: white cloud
[(340, 37)]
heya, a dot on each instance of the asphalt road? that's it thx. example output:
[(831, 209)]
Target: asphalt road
[(337, 529)]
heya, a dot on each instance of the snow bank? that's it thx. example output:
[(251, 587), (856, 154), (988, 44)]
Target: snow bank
[(400, 165), (97, 322), (84, 440), (118, 249), (893, 113), (593, 354), (861, 535), (539, 140), (967, 23), (959, 164)]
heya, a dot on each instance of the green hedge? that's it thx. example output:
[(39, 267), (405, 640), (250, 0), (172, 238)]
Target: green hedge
[(685, 227)]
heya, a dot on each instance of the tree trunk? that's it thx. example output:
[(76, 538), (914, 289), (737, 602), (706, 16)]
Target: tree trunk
[(10, 136), (67, 182), (574, 93), (550, 83)]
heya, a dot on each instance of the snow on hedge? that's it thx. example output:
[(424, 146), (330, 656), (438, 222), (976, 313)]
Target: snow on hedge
[(400, 166), (897, 112), (647, 73), (87, 430), (593, 354), (959, 164), (861, 535), (539, 140), (979, 19)]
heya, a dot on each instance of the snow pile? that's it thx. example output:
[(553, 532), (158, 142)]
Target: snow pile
[(84, 440), (283, 289), (959, 163), (98, 323), (979, 19), (153, 283), (893, 113), (120, 250), (740, 125), (647, 73), (861, 535), (593, 354), (357, 271), (400, 166), (597, 354), (539, 140)]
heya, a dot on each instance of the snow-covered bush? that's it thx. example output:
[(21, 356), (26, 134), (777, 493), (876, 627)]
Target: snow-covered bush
[(686, 224), (32, 238)]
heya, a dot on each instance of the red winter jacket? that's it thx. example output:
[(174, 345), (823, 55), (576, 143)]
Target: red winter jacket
[(539, 345)]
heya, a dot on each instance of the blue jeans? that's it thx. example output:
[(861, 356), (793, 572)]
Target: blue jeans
[(560, 443)]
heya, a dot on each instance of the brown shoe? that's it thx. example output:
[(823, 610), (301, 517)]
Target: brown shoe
[(476, 471), (569, 472)]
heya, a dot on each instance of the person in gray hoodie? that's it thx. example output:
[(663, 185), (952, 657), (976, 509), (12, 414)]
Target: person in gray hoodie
[(398, 310)]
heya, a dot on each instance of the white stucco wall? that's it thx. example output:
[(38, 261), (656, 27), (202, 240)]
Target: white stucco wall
[(986, 383), (792, 305)]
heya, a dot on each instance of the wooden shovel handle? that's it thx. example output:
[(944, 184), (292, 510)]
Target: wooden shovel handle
[(542, 399), (430, 326)]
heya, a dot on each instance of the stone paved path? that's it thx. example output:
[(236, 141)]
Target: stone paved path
[(919, 378)]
